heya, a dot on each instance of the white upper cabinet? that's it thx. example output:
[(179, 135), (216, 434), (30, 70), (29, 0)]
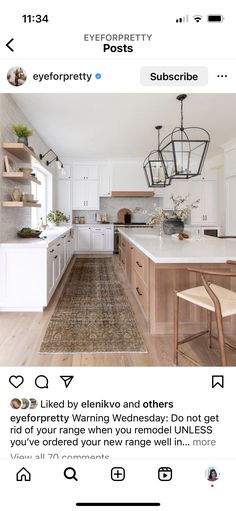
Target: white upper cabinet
[(207, 211), (85, 195), (105, 181), (85, 172)]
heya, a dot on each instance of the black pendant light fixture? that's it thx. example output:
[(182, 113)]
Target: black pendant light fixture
[(184, 150), (155, 167)]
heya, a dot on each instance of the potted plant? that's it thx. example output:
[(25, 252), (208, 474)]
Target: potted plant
[(56, 217), (22, 133)]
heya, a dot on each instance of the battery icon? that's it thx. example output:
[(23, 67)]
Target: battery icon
[(215, 18)]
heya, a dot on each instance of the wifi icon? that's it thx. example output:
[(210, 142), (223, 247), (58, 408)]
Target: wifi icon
[(197, 18)]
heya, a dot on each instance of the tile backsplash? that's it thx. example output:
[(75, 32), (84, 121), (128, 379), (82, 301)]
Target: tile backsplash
[(111, 206)]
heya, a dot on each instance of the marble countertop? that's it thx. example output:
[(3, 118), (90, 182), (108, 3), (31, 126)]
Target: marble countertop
[(52, 235), (169, 249)]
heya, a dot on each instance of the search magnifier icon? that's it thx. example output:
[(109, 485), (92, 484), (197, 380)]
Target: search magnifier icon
[(70, 473)]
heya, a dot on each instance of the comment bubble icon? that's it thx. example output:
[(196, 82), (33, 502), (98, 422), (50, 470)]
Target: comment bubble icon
[(41, 381)]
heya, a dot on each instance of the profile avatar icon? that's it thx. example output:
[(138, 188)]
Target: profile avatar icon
[(16, 76), (212, 474)]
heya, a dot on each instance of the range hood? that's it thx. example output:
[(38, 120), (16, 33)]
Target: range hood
[(132, 194)]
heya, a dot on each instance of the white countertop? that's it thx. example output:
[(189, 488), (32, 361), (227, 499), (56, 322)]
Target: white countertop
[(52, 235), (168, 249), (95, 224)]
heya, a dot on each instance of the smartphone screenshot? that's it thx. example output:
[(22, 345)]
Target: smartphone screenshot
[(117, 256)]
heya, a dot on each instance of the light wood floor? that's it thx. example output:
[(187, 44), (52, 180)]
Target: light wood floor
[(21, 335)]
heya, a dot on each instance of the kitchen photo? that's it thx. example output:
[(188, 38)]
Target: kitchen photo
[(118, 229)]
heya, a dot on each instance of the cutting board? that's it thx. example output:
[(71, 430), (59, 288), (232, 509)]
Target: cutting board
[(121, 214)]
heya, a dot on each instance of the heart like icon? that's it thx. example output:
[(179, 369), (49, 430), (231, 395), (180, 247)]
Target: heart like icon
[(16, 381)]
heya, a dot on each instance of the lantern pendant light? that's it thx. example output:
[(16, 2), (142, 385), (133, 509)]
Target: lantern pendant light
[(184, 150), (155, 167)]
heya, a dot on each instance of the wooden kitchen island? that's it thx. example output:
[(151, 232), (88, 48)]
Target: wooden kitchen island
[(156, 267)]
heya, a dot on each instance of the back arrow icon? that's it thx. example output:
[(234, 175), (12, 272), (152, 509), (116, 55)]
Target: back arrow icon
[(8, 44)]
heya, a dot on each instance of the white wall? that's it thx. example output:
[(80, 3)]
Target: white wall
[(230, 187)]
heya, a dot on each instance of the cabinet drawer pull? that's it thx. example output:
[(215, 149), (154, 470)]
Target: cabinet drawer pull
[(131, 248), (55, 257), (122, 262), (138, 264), (58, 245), (68, 241), (51, 251), (138, 291)]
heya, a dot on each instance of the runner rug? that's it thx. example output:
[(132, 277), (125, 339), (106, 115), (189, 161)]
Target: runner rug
[(93, 314)]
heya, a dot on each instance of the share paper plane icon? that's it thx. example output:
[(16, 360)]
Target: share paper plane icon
[(67, 380)]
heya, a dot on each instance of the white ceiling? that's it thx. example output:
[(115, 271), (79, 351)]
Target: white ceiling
[(104, 126)]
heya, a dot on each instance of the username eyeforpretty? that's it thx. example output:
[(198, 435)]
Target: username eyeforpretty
[(63, 77)]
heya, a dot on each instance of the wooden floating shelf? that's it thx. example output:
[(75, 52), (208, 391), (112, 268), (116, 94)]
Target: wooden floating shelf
[(20, 204), (21, 177), (23, 153), (132, 194)]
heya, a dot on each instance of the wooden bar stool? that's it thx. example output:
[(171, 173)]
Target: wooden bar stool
[(213, 298)]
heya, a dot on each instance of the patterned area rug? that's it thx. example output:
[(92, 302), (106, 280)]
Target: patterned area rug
[(93, 314)]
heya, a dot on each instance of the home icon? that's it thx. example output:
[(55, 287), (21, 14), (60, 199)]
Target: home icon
[(23, 475)]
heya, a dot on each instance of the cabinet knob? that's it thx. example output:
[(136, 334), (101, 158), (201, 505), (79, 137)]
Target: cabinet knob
[(55, 257)]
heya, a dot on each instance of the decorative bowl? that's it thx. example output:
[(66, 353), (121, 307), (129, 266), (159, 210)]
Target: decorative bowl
[(33, 234)]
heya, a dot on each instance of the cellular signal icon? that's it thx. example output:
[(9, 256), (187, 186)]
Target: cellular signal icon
[(184, 19)]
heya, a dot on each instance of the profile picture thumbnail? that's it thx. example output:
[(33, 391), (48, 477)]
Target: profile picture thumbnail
[(16, 76), (33, 403), (15, 403), (212, 474)]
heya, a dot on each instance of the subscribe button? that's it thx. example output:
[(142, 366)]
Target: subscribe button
[(174, 75)]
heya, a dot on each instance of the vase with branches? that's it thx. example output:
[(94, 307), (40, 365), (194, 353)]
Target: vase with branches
[(174, 218)]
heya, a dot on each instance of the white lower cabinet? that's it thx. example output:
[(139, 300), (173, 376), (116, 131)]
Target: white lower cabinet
[(97, 239), (94, 238), (30, 275), (83, 239)]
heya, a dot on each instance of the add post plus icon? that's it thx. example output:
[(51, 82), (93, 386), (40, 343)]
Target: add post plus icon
[(118, 474)]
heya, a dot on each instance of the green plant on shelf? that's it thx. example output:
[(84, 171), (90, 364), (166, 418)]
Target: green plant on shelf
[(21, 130)]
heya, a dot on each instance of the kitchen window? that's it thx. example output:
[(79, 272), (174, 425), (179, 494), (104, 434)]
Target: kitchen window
[(43, 193)]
